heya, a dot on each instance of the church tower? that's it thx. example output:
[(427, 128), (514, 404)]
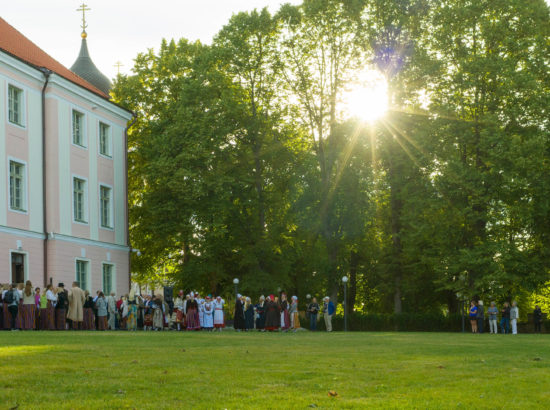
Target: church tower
[(84, 67)]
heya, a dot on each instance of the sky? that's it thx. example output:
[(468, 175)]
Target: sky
[(120, 29)]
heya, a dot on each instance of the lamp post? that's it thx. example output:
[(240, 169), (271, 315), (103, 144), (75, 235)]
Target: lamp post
[(345, 281), (236, 283)]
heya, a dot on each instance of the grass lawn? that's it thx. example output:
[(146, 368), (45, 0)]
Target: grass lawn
[(258, 370)]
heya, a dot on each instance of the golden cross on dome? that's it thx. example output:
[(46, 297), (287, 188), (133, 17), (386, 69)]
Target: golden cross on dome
[(118, 64), (84, 8)]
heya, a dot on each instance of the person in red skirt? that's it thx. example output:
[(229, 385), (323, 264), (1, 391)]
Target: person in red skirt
[(28, 307), (47, 309)]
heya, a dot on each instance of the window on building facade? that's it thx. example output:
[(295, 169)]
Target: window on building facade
[(104, 139), (79, 198), (82, 274), (105, 206), (78, 128), (107, 279), (17, 186), (15, 105)]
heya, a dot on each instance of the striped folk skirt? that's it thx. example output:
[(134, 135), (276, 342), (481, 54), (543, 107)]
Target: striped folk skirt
[(60, 319), (193, 322), (102, 323), (28, 313), (47, 317), (89, 319)]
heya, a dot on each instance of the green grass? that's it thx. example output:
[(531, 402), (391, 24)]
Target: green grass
[(251, 370)]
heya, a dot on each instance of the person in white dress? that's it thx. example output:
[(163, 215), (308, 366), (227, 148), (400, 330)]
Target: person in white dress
[(219, 322), (208, 318)]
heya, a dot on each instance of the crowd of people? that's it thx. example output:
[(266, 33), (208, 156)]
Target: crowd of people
[(509, 316), (57, 308)]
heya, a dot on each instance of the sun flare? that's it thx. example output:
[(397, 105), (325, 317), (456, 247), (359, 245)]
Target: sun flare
[(367, 97)]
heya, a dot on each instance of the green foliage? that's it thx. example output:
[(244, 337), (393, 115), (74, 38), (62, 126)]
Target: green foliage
[(243, 162)]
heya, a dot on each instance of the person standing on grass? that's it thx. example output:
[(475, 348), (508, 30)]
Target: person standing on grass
[(285, 315), (219, 322), (480, 316), (537, 318), (178, 309), (248, 314), (208, 319), (193, 320), (77, 297), (328, 312), (88, 316), (272, 316), (61, 307), (37, 308), (260, 314), (11, 299), (28, 307), (514, 316), (238, 317), (313, 311), (101, 306), (111, 310), (473, 316), (505, 320), (51, 296), (132, 311), (294, 314), (493, 312)]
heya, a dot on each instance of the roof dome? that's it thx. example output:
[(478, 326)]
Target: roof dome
[(85, 68)]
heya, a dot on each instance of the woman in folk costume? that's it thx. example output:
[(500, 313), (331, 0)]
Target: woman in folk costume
[(193, 321), (178, 310), (158, 314), (219, 322), (208, 310), (132, 311), (200, 304), (101, 306), (285, 316), (88, 322), (19, 320), (238, 318), (272, 316), (49, 318), (294, 318), (249, 314), (37, 308), (147, 313), (28, 307), (260, 314)]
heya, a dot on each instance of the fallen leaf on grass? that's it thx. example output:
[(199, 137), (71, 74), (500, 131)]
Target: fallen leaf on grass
[(332, 393), (537, 359), (165, 372), (183, 350), (120, 392), (312, 405), (440, 367), (134, 361)]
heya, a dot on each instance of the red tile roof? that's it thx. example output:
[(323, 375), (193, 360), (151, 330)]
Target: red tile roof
[(19, 46)]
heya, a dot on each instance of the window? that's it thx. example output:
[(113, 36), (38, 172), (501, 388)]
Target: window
[(105, 206), (104, 139), (78, 128), (15, 105), (79, 195), (82, 274), (17, 186), (107, 278)]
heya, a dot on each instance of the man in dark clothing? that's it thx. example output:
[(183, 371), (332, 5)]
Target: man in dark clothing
[(239, 323), (505, 321), (61, 307), (537, 318), (12, 298), (480, 316), (313, 311)]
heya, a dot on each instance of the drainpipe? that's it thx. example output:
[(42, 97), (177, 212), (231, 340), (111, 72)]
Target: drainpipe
[(134, 119), (46, 74)]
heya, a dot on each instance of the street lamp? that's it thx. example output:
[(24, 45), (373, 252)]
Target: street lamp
[(236, 283), (345, 281)]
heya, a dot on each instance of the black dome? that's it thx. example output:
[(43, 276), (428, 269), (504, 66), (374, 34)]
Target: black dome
[(84, 67)]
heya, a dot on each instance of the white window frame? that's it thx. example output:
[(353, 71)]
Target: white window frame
[(25, 209), (111, 208), (84, 144), (85, 201), (23, 104), (25, 263), (113, 277), (88, 270), (109, 144)]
